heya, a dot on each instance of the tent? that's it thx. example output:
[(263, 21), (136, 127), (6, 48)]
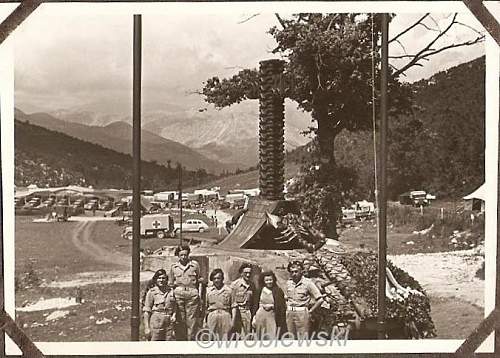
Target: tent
[(475, 200)]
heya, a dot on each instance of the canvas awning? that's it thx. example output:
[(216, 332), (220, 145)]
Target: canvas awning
[(479, 193)]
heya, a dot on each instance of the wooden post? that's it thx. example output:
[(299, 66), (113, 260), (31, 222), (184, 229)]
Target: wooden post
[(382, 227), (136, 192)]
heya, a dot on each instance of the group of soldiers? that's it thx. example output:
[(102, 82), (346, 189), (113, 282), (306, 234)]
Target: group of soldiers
[(173, 307)]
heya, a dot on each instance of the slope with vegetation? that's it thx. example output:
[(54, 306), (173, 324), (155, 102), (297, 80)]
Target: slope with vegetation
[(438, 147), (118, 136), (44, 157)]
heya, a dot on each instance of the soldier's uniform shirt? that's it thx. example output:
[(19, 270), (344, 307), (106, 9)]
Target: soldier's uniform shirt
[(298, 296), (243, 298), (219, 305), (162, 306), (243, 293), (186, 276), (185, 279), (157, 301), (219, 299)]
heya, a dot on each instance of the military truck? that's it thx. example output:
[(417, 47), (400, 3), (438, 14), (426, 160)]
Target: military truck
[(157, 225)]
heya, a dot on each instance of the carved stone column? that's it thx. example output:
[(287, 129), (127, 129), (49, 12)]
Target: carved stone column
[(271, 131)]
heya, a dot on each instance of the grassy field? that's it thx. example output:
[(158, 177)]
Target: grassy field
[(58, 250), (61, 251), (50, 249), (100, 301), (245, 180)]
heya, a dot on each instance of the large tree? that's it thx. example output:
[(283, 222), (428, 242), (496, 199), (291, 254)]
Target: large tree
[(331, 63)]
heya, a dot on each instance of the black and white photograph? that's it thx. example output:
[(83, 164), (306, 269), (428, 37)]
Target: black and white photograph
[(249, 178)]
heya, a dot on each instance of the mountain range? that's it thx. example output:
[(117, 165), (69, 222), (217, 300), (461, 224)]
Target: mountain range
[(228, 136), (118, 136), (49, 158)]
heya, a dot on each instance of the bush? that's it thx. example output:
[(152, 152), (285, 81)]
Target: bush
[(443, 227), (28, 279)]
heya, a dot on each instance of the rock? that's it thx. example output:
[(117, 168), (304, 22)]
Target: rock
[(102, 321), (410, 243), (91, 317), (56, 315)]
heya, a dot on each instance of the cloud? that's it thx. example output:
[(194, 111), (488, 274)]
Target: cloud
[(75, 59)]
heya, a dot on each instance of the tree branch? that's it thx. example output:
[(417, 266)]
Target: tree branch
[(280, 20), (470, 27), (248, 18), (409, 28), (466, 43), (429, 28), (425, 51), (400, 44), (435, 22)]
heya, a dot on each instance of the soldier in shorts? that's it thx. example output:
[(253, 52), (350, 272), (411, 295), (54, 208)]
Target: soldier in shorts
[(185, 277), (159, 309), (299, 294), (243, 291), (220, 308)]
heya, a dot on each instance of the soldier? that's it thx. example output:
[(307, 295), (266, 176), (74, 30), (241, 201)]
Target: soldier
[(243, 291), (159, 309), (299, 294), (220, 306), (322, 313), (185, 277)]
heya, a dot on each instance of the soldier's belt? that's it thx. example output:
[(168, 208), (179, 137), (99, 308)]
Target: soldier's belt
[(295, 308), (163, 312), (219, 309), (243, 306)]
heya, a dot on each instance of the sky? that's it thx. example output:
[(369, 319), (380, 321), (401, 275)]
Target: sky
[(66, 58)]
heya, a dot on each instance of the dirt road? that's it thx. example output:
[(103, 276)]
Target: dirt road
[(84, 240)]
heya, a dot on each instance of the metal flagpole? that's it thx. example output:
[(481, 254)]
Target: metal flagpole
[(180, 204), (382, 203), (136, 193)]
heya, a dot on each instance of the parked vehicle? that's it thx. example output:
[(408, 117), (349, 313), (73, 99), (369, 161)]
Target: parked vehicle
[(416, 198), (159, 225), (61, 213), (18, 202), (91, 205), (348, 216), (78, 203), (114, 212), (193, 225), (107, 205), (62, 201), (364, 210), (32, 203)]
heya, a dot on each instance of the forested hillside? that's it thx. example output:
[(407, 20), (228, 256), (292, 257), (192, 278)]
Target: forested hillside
[(45, 157), (438, 148)]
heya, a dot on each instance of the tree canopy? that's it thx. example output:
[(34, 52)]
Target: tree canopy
[(331, 71)]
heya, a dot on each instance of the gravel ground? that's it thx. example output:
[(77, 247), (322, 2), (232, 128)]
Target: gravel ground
[(447, 274)]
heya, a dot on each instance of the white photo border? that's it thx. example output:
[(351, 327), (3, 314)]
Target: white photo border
[(372, 346)]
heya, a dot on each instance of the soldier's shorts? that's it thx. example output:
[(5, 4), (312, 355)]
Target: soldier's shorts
[(244, 322), (298, 322), (162, 329), (219, 322), (188, 309)]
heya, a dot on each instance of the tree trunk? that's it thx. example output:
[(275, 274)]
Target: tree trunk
[(326, 138)]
